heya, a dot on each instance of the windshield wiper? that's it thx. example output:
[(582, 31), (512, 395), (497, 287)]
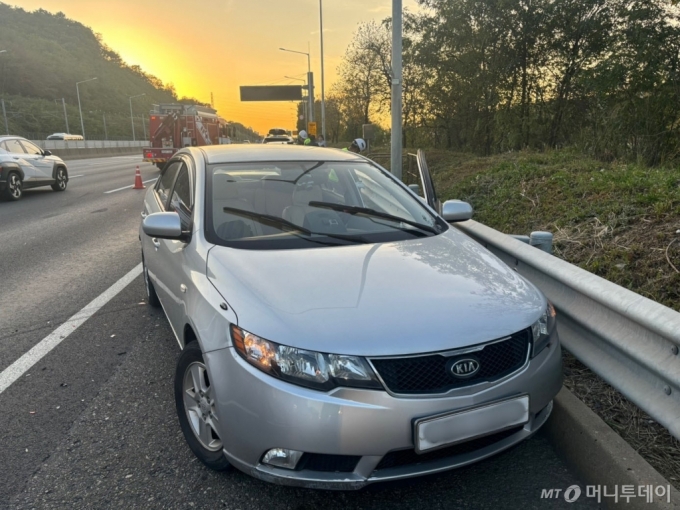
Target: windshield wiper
[(276, 222), (366, 211)]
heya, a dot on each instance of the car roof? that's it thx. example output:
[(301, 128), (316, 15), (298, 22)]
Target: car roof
[(267, 152)]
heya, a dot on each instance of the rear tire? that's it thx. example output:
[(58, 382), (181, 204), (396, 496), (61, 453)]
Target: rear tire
[(195, 401), (14, 190), (62, 180), (151, 295)]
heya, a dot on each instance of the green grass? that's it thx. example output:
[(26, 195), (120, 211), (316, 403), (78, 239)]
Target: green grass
[(617, 220)]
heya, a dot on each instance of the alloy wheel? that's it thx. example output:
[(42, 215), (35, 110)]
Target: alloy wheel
[(199, 403), (14, 186), (61, 179)]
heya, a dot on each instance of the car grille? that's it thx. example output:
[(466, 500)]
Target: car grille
[(328, 463), (410, 457), (432, 374)]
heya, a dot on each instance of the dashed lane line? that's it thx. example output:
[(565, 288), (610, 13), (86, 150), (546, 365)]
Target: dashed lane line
[(42, 348)]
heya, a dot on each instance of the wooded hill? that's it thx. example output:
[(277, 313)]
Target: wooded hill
[(46, 55)]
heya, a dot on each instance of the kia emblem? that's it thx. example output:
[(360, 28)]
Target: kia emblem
[(464, 368)]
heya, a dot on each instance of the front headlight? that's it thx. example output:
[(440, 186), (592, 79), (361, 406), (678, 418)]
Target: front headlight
[(543, 328), (306, 368)]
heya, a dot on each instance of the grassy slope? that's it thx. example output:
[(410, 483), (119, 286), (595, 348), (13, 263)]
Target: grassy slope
[(615, 220), (619, 221)]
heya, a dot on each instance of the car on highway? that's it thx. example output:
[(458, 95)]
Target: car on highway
[(65, 137), (24, 165), (278, 136), (336, 329)]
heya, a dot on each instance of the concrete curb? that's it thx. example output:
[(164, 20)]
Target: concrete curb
[(104, 152), (600, 456)]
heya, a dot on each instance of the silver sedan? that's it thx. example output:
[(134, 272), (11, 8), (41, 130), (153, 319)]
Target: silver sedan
[(335, 329)]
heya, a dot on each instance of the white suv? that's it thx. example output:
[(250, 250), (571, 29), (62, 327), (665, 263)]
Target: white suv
[(24, 165)]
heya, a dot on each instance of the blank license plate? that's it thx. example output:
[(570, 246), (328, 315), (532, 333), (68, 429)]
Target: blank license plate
[(455, 427)]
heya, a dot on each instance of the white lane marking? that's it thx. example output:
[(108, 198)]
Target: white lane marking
[(42, 348), (130, 186)]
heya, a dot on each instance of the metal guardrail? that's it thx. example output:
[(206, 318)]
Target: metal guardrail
[(88, 144), (628, 340)]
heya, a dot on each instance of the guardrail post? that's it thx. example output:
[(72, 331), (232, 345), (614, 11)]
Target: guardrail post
[(542, 240), (524, 239)]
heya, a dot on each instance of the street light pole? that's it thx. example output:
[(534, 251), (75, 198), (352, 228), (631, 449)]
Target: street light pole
[(106, 133), (63, 103), (80, 109), (323, 93), (310, 82), (396, 152), (132, 119)]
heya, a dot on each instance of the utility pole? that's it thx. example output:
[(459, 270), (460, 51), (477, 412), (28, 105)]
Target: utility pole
[(80, 109), (63, 103), (132, 119), (106, 133), (396, 153), (323, 92), (4, 114)]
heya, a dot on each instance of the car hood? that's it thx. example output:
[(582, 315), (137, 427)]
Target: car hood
[(425, 295)]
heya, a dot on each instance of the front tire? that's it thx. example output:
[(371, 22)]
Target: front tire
[(195, 402), (62, 180), (14, 190)]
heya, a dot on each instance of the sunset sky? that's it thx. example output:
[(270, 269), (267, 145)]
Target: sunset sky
[(217, 45)]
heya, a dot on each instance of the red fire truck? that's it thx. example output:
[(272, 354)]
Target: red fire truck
[(173, 126)]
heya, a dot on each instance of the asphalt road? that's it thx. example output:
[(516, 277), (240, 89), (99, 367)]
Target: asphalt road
[(92, 424)]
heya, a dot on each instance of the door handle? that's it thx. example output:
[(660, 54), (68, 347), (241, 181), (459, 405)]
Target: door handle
[(156, 242)]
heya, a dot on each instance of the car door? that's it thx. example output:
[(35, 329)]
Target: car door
[(17, 152), (155, 202), (427, 183), (44, 168), (172, 261)]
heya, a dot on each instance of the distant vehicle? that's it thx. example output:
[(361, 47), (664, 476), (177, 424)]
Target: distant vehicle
[(24, 165), (278, 136), (64, 136), (173, 126)]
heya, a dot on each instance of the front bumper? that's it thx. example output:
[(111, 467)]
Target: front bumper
[(257, 412)]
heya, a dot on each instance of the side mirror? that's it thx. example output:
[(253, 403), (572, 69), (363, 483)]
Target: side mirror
[(456, 210), (415, 188), (46, 153), (164, 225)]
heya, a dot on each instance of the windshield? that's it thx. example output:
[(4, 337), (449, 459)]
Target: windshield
[(310, 204)]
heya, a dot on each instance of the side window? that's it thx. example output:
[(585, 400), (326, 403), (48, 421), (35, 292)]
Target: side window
[(181, 198), (14, 146), (166, 181), (31, 148)]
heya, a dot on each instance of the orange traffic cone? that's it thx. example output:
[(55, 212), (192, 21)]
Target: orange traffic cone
[(138, 180)]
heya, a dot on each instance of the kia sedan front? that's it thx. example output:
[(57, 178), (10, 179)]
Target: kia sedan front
[(335, 329)]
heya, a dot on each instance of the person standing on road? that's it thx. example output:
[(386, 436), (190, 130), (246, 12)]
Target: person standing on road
[(302, 137), (357, 146), (321, 141)]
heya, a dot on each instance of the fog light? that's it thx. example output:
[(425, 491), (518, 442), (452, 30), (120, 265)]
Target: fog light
[(282, 457)]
